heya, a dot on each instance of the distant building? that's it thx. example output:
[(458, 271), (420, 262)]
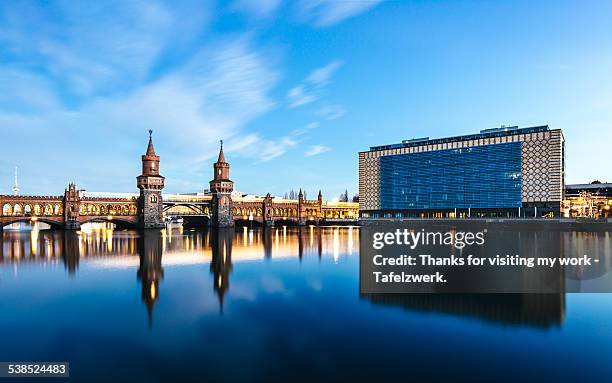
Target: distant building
[(595, 188), (592, 200), (501, 172)]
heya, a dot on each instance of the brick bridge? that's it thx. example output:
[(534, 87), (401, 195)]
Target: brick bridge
[(221, 207), (268, 210)]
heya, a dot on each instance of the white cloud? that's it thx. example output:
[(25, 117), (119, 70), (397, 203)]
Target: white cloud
[(313, 125), (313, 86), (324, 13), (332, 112), (316, 150), (261, 149), (322, 76), (259, 9), (298, 97), (213, 96), (301, 131), (100, 47), (25, 92)]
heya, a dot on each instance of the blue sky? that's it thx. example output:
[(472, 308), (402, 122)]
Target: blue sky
[(296, 89)]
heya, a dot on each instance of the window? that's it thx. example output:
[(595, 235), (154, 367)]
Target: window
[(153, 198), (486, 176)]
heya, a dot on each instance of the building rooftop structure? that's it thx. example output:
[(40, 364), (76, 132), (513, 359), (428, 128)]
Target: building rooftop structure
[(485, 133), (597, 188)]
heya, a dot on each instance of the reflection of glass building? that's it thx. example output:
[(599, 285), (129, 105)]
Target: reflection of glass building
[(499, 172)]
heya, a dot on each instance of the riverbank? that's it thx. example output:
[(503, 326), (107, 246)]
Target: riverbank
[(566, 223)]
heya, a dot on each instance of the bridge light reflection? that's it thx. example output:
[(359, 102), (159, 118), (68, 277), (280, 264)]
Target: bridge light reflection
[(336, 242), (33, 240), (152, 291), (311, 235), (276, 239), (109, 239)]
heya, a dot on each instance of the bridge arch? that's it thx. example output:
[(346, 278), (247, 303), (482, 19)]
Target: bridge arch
[(115, 220), (50, 222), (193, 208)]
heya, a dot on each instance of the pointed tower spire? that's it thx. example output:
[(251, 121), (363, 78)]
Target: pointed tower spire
[(150, 148), (221, 158), (16, 184)]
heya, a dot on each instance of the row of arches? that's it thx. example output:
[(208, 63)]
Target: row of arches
[(104, 210), (312, 212), (245, 211), (21, 209), (339, 213), (258, 212)]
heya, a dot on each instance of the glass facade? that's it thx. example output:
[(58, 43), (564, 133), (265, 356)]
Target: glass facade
[(487, 176)]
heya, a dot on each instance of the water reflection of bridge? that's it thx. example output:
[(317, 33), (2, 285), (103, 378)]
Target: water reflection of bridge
[(151, 250), (222, 250)]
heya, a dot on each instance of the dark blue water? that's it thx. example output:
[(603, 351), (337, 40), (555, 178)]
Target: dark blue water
[(273, 305)]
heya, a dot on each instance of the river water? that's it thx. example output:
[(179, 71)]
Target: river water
[(279, 304)]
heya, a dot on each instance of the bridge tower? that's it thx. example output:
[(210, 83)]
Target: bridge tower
[(150, 183), (302, 217), (72, 207), (268, 211), (221, 188)]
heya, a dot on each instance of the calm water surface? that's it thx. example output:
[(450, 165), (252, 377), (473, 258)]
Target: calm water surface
[(274, 305)]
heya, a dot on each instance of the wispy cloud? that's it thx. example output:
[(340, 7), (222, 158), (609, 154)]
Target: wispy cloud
[(313, 86), (99, 48), (298, 96), (301, 131), (331, 112), (324, 13), (261, 149), (322, 76), (259, 9), (211, 94), (316, 150)]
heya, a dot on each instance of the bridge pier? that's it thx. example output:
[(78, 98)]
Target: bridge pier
[(72, 225)]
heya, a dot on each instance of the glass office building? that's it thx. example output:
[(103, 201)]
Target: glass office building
[(505, 172)]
